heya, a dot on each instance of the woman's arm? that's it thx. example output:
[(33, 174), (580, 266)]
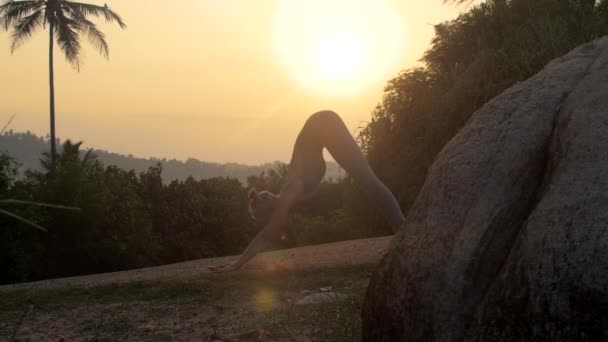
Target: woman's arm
[(277, 221), (258, 244)]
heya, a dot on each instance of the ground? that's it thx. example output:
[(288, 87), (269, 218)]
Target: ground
[(184, 302)]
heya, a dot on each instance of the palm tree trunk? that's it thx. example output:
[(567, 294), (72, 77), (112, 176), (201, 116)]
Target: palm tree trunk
[(52, 95)]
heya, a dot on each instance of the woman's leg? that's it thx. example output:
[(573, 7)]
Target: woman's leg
[(332, 132)]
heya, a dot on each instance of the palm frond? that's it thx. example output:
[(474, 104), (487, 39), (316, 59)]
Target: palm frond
[(26, 27), (96, 37), (22, 219), (98, 11), (98, 40), (8, 123), (13, 11), (38, 204), (11, 5), (66, 32), (89, 156)]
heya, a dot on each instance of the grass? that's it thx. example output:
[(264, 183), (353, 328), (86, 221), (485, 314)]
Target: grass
[(231, 307)]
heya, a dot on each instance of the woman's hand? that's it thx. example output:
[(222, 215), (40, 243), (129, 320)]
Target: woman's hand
[(278, 220), (227, 267)]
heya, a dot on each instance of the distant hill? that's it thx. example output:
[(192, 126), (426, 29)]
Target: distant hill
[(27, 148)]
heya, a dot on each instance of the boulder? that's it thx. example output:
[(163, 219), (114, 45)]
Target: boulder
[(508, 237)]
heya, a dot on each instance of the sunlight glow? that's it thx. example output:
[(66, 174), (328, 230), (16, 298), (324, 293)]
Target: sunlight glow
[(339, 55), (338, 47), (265, 300)]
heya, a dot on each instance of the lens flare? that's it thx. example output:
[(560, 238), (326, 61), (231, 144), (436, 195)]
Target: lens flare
[(265, 300)]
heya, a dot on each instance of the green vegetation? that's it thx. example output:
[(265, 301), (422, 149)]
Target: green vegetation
[(471, 60), (125, 221), (130, 220), (67, 22)]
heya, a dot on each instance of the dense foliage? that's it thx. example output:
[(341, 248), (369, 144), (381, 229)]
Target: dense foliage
[(470, 60), (130, 220), (126, 220)]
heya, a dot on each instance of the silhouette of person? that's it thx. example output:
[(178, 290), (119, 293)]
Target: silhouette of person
[(324, 129)]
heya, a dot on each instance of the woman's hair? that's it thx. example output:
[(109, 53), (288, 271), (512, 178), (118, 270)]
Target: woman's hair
[(261, 205)]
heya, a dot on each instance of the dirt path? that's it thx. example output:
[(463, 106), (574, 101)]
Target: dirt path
[(270, 299), (344, 253)]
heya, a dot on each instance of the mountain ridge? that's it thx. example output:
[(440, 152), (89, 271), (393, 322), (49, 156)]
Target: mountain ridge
[(27, 149)]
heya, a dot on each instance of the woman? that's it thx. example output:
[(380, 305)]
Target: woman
[(324, 129)]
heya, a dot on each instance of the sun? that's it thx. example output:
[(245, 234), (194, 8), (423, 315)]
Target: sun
[(338, 47), (339, 55)]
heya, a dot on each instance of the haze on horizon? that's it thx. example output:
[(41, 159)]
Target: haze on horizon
[(218, 80)]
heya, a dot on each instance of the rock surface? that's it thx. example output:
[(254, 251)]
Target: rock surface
[(361, 252), (323, 297), (508, 238)]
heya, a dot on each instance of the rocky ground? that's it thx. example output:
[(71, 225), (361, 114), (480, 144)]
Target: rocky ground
[(310, 293)]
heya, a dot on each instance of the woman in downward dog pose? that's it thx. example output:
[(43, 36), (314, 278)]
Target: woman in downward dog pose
[(324, 129)]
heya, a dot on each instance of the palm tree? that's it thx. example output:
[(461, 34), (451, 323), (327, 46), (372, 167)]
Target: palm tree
[(67, 21)]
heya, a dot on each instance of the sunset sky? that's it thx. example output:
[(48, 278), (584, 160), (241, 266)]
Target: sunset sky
[(219, 80)]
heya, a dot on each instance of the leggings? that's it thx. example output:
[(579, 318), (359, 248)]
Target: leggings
[(325, 129)]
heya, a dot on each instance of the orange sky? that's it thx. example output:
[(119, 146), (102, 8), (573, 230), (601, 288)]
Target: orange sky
[(207, 78)]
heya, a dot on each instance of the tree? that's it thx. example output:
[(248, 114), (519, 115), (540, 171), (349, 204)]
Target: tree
[(67, 22), (271, 179), (470, 60)]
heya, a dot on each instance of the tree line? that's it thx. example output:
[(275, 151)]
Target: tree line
[(27, 147), (471, 60), (131, 220)]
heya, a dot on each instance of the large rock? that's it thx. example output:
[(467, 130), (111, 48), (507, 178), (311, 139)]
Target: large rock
[(508, 238)]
